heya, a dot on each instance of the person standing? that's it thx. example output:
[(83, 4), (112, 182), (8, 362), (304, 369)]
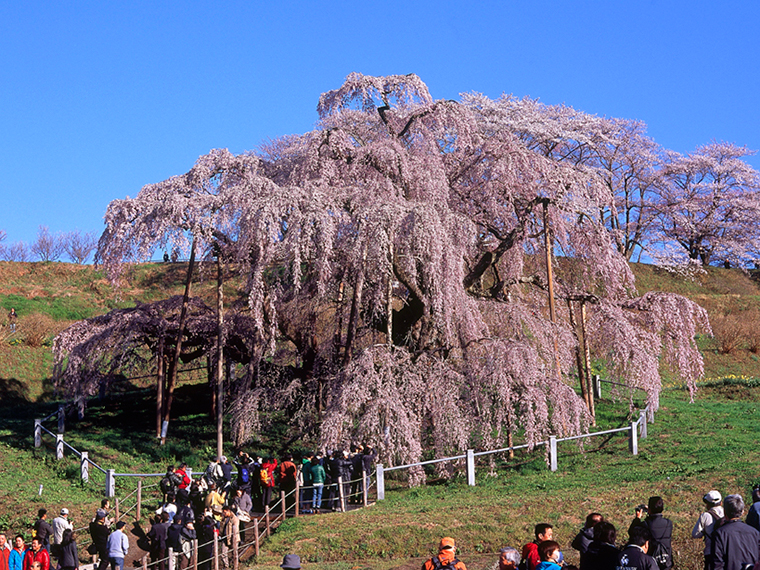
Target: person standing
[(318, 477), (118, 546), (229, 533), (542, 532), (601, 554), (706, 524), (446, 557), (99, 533), (5, 552), (43, 530), (266, 477), (287, 480), (585, 537), (734, 543), (661, 530), (634, 556), (37, 555), (61, 523), (12, 319), (69, 559), (16, 558), (158, 536)]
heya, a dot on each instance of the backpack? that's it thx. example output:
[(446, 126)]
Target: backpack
[(438, 566), (245, 475), (167, 485), (265, 478), (659, 553)]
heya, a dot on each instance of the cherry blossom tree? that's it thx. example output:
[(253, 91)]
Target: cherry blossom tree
[(617, 150), (400, 264), (709, 205)]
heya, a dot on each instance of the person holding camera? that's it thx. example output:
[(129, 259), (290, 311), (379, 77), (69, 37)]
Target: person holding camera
[(660, 528)]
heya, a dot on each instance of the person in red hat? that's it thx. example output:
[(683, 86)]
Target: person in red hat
[(446, 558)]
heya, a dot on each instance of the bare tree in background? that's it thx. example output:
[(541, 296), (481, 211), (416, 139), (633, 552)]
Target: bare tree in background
[(15, 252), (79, 246), (48, 246)]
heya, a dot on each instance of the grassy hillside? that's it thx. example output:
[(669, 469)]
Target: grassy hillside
[(692, 446)]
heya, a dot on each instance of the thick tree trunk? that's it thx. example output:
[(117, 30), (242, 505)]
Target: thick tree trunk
[(160, 379), (587, 364), (353, 321), (579, 361), (178, 349), (548, 245), (219, 357)]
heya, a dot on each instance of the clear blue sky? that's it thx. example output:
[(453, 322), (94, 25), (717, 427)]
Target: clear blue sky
[(100, 98)]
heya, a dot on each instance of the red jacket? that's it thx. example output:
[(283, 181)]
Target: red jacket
[(41, 556), (4, 555), (185, 479), (530, 553)]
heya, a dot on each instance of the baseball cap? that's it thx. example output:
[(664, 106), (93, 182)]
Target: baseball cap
[(64, 511), (446, 542), (712, 497), (223, 459), (100, 514)]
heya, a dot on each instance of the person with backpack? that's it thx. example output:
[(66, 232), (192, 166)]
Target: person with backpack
[(243, 472), (446, 558), (634, 556), (170, 482), (706, 523), (734, 543), (287, 478), (661, 530), (266, 478), (530, 557)]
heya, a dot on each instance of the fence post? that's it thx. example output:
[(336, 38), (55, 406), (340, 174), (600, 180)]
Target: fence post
[(553, 452), (297, 498), (84, 468), (37, 433), (139, 499), (116, 510), (284, 507), (145, 562), (216, 550), (341, 495), (189, 472), (61, 419), (256, 537), (365, 490), (650, 414), (195, 554), (634, 440), (171, 558), (110, 483), (266, 518), (471, 467), (643, 424), (597, 384), (59, 446), (380, 482)]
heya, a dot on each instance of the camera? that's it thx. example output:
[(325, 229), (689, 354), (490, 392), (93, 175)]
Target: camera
[(642, 509)]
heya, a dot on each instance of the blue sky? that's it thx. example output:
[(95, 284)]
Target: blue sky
[(100, 98)]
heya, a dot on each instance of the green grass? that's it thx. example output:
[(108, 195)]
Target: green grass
[(691, 448)]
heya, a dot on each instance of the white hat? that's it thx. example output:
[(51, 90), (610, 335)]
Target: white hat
[(713, 497), (64, 511)]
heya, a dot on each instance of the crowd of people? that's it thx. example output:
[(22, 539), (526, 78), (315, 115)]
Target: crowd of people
[(730, 544)]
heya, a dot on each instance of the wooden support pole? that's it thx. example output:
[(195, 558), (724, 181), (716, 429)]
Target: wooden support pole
[(116, 509), (256, 537), (139, 499), (216, 550), (284, 507), (342, 495), (145, 562), (195, 554), (266, 518), (37, 433), (84, 467), (365, 490), (59, 446), (297, 497)]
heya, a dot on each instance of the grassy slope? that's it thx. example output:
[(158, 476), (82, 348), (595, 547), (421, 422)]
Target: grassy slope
[(692, 447)]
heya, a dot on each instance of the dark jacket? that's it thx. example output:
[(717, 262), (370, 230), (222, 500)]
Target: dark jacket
[(633, 558), (99, 533), (69, 557), (662, 531), (43, 531), (735, 543), (583, 539), (158, 536), (599, 556)]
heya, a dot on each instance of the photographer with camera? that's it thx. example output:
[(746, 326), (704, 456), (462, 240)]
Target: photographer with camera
[(660, 528)]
